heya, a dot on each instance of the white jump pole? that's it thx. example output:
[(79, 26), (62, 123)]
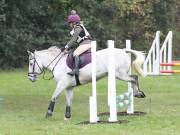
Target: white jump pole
[(111, 82), (93, 99), (130, 109)]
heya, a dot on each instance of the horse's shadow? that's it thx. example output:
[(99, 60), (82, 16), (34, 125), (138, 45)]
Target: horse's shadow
[(136, 113)]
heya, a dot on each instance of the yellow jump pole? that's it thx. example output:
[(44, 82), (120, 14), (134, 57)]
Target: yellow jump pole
[(171, 71), (170, 64)]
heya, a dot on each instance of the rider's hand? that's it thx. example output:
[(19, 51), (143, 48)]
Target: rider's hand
[(66, 47), (62, 49)]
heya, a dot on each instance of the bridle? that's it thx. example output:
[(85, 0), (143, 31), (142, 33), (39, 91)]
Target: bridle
[(33, 72), (43, 70)]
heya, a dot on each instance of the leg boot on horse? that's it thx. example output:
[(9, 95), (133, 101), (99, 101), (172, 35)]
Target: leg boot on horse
[(68, 112), (50, 109)]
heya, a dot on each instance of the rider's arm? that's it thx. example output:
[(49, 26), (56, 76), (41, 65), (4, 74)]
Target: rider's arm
[(77, 31)]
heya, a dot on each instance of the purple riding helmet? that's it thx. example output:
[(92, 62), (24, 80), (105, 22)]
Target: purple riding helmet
[(73, 17)]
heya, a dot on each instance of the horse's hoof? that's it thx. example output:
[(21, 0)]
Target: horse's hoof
[(48, 114), (140, 94), (68, 112), (68, 115), (66, 119)]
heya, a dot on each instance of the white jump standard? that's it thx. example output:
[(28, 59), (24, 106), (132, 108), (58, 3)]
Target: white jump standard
[(93, 99), (159, 54), (114, 103), (111, 82), (126, 100)]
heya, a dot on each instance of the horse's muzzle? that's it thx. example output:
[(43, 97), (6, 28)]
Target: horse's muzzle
[(32, 77)]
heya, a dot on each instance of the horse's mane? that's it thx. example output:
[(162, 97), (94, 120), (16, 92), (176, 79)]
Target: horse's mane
[(54, 48)]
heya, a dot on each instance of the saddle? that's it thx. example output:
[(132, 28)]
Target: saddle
[(85, 58)]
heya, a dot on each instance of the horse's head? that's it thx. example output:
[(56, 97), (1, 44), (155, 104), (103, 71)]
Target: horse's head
[(35, 66)]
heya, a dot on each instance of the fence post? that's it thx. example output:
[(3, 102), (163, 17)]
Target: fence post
[(130, 109), (111, 82), (93, 99)]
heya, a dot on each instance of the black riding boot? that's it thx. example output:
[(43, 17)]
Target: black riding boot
[(76, 69)]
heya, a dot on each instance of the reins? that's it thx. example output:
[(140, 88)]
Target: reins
[(53, 67)]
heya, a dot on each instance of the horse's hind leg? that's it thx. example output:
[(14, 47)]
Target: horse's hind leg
[(69, 96), (123, 75), (139, 93)]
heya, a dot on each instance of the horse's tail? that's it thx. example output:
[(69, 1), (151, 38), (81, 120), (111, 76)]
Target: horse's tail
[(137, 63)]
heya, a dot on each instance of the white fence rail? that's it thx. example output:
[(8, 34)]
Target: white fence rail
[(166, 52), (158, 54), (151, 64)]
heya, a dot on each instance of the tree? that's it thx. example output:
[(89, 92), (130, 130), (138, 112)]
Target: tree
[(38, 24)]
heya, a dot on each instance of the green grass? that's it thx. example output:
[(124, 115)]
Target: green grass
[(23, 109)]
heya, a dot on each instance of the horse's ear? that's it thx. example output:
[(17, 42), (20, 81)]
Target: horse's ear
[(29, 53)]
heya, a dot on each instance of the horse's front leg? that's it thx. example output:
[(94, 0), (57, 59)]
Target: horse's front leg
[(69, 96), (61, 85)]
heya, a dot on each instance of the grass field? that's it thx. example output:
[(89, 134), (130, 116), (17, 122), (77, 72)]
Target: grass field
[(23, 109)]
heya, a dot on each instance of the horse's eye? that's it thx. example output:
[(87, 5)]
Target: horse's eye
[(31, 64)]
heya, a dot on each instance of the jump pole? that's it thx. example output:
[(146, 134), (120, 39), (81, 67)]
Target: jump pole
[(170, 64), (111, 82), (130, 109), (93, 99), (171, 71)]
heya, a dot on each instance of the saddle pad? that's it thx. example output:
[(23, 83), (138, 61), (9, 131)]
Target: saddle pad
[(85, 59)]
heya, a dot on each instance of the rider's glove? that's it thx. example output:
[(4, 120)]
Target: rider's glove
[(66, 47)]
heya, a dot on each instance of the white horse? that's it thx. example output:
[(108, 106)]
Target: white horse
[(55, 60)]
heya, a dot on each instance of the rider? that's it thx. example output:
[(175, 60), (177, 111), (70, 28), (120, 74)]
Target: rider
[(79, 35)]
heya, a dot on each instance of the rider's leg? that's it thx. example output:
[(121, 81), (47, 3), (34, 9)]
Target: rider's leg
[(77, 52), (76, 69), (82, 48)]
